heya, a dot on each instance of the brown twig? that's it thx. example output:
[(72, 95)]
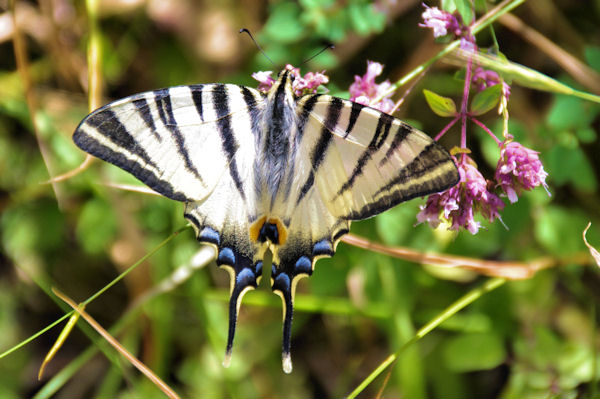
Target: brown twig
[(508, 269)]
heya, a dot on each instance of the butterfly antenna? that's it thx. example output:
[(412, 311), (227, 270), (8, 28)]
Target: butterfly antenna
[(244, 30), (328, 46)]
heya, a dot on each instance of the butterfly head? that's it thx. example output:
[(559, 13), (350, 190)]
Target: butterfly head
[(284, 83)]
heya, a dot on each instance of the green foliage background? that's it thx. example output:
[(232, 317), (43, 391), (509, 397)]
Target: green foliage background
[(535, 338)]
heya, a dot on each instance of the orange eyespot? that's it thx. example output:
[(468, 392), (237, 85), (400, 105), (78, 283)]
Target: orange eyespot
[(271, 229)]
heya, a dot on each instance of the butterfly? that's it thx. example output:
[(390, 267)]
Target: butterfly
[(267, 171)]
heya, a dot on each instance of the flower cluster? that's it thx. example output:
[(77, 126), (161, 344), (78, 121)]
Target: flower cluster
[(519, 168), (444, 23), (364, 89), (302, 85), (459, 204)]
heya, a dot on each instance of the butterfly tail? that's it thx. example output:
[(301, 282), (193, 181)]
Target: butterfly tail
[(282, 286), (244, 276), (285, 277)]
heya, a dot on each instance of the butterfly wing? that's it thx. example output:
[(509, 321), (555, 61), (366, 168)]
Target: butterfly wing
[(376, 161), (194, 144), (351, 162), (167, 138)]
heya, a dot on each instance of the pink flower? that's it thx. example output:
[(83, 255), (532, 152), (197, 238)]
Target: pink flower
[(265, 80), (364, 89), (301, 85), (459, 204), (309, 83), (444, 23), (519, 168), (436, 19), (484, 78)]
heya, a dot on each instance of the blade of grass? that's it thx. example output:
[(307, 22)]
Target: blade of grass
[(178, 276), (96, 295), (458, 305), (94, 62)]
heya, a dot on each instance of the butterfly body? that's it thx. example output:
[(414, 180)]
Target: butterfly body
[(267, 171)]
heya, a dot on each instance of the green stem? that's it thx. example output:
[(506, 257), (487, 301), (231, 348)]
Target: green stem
[(460, 304)]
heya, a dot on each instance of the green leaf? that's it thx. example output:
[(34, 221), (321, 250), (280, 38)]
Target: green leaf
[(360, 24), (486, 100), (462, 6), (442, 106), (566, 164), (571, 113), (586, 135), (475, 351), (559, 230)]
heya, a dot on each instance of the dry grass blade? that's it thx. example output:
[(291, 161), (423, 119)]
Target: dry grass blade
[(83, 166), (582, 73), (60, 340), (509, 270), (20, 50), (593, 251), (111, 340)]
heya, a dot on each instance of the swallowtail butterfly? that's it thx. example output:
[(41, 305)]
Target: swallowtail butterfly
[(267, 171)]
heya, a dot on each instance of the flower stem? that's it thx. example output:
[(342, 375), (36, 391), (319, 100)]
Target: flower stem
[(445, 129), (464, 104), (487, 130)]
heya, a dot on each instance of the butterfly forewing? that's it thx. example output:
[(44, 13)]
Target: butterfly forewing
[(375, 161), (174, 140)]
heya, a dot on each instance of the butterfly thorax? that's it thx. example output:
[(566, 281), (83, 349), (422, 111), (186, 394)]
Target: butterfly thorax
[(275, 145)]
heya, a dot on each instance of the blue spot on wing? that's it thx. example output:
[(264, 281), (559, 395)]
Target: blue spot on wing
[(258, 268), (323, 247), (226, 257), (303, 265), (282, 282), (209, 235), (245, 278)]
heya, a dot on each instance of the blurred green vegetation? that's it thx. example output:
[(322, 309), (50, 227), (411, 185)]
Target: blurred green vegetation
[(535, 338)]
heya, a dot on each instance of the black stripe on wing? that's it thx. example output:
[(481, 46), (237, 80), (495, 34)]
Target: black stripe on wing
[(320, 149), (165, 112), (94, 147), (354, 114), (106, 122), (141, 105), (434, 160), (381, 133), (197, 98), (230, 144), (401, 134)]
